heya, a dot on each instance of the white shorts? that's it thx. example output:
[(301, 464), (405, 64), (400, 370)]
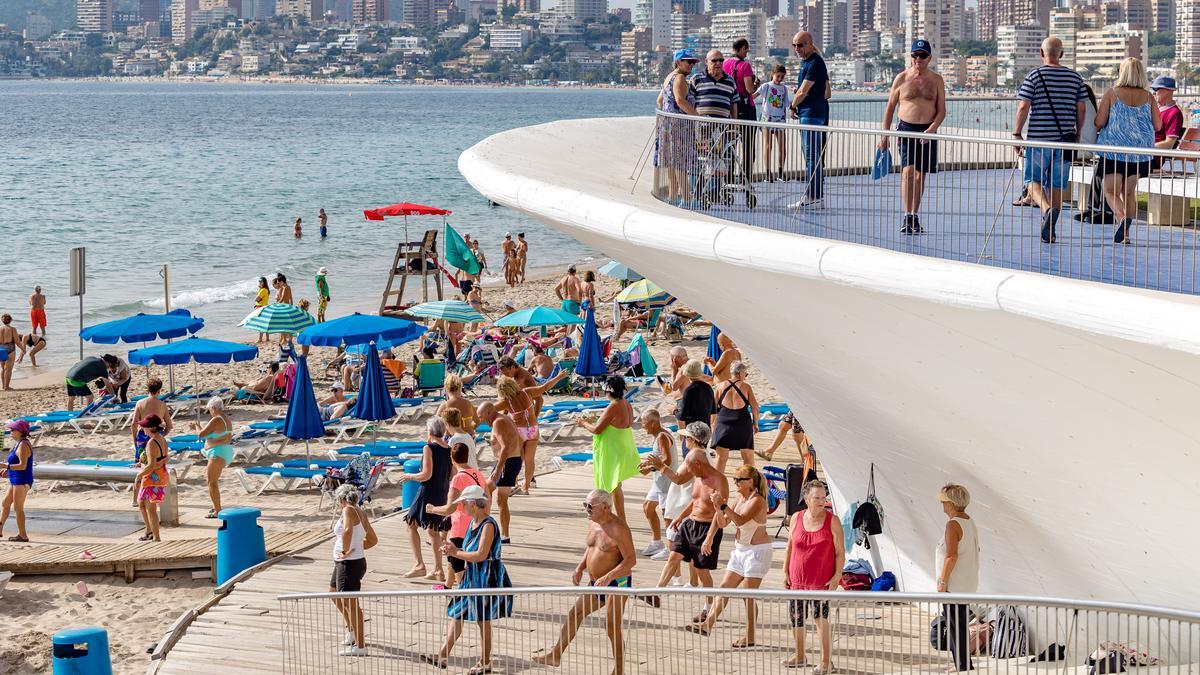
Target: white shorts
[(751, 562), (659, 484)]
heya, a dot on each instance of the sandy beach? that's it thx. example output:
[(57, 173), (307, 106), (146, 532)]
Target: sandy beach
[(137, 614)]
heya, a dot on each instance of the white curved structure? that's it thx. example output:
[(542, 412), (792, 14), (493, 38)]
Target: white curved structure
[(1067, 407)]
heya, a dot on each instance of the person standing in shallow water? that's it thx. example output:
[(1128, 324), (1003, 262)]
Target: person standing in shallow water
[(37, 311), (522, 256), (322, 291), (324, 219)]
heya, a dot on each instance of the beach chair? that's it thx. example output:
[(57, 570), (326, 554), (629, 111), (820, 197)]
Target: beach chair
[(105, 419), (430, 375), (56, 420), (344, 429), (288, 478)]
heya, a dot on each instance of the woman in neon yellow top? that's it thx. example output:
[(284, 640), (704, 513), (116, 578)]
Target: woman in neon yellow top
[(614, 454), (261, 299)]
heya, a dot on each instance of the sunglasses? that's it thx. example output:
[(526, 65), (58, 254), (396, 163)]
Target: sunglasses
[(588, 507), (738, 480), (919, 55), (715, 60)]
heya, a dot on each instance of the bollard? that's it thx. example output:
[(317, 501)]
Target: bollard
[(240, 542), (409, 492), (81, 651)]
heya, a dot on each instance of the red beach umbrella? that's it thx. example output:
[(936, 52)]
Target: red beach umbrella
[(404, 209)]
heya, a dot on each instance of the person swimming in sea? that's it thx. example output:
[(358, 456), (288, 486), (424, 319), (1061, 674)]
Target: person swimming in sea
[(324, 223), (297, 230)]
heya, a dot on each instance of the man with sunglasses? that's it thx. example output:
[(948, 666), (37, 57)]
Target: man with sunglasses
[(810, 105), (920, 95), (608, 560)]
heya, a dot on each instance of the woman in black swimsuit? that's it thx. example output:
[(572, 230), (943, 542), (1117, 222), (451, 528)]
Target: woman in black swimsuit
[(30, 345), (734, 427)]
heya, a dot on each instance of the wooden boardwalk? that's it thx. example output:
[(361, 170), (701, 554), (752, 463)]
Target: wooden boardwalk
[(130, 558)]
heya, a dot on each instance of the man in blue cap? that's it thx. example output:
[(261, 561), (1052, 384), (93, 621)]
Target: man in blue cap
[(920, 95), (1168, 135), (810, 105)]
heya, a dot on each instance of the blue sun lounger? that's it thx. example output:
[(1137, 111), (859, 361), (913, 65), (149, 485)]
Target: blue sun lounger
[(288, 476)]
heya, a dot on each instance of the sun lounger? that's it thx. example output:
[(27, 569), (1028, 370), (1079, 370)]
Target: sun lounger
[(58, 420), (288, 477), (405, 453), (344, 429)]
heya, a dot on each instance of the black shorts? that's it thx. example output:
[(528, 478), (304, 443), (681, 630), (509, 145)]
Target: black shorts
[(512, 468), (914, 153), (348, 575), (689, 541), (798, 610), (72, 390), (457, 564), (1110, 167)]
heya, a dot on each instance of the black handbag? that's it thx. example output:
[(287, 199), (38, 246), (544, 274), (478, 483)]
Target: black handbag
[(1068, 155)]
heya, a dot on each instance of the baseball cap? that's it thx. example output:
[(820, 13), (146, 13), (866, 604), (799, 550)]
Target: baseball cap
[(921, 45), (1163, 82), (686, 55), (470, 493), (507, 235), (510, 304)]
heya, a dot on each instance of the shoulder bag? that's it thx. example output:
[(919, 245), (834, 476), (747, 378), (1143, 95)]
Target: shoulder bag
[(1068, 155)]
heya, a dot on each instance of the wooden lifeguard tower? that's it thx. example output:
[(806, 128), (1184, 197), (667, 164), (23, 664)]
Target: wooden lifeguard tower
[(413, 258)]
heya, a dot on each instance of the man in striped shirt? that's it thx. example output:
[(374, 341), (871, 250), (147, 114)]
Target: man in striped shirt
[(716, 92), (1052, 100)]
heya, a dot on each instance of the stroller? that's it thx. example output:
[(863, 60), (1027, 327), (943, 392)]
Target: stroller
[(722, 171)]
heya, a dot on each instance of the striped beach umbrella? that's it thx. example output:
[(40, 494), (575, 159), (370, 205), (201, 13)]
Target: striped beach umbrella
[(619, 271), (455, 311), (645, 292), (278, 318)]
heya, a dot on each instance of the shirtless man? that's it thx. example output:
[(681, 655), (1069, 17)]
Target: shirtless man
[(508, 251), (570, 292), (506, 446), (37, 311), (730, 355), (920, 94), (696, 540), (9, 337), (541, 366), (608, 560), (324, 220), (678, 382), (151, 405), (522, 255)]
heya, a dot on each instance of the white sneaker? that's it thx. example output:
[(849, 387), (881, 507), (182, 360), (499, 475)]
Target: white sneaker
[(807, 203), (353, 651), (349, 639), (662, 554), (653, 547)]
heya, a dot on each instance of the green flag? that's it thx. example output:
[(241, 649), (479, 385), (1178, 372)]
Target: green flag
[(459, 254)]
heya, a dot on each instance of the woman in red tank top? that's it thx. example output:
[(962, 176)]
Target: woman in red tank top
[(816, 553)]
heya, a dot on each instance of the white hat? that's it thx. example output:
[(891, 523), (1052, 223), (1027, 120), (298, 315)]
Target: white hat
[(507, 235), (509, 304), (470, 493), (337, 385), (322, 271)]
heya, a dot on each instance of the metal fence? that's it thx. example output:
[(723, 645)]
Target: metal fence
[(654, 631), (946, 195), (981, 115)]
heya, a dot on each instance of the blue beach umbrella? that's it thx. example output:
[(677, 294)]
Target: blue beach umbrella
[(538, 316), (591, 356), (303, 421), (374, 402), (143, 328), (455, 311), (357, 329), (278, 318), (196, 350), (619, 271), (714, 349)]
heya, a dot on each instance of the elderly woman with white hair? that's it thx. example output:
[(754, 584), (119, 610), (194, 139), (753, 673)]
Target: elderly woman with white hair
[(434, 478), (737, 417), (218, 448), (697, 403), (957, 560), (352, 536)]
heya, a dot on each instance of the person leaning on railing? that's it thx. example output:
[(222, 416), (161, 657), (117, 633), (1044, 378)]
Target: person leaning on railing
[(674, 140), (957, 568)]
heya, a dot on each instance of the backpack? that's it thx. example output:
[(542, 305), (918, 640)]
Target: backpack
[(855, 582), (886, 582), (1009, 639)]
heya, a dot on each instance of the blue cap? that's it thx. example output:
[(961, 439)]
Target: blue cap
[(686, 55), (1163, 82), (921, 46)]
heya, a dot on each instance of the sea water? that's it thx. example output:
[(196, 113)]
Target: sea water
[(209, 178)]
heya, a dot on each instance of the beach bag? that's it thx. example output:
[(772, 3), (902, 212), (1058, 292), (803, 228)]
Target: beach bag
[(1102, 661), (1009, 639), (882, 165), (868, 517), (886, 581), (937, 635), (855, 582), (979, 637)]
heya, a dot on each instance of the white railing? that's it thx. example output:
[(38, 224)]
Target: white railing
[(866, 632), (721, 168)]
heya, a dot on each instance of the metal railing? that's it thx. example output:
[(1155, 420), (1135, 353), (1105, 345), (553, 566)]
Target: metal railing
[(981, 115), (959, 187), (405, 632)]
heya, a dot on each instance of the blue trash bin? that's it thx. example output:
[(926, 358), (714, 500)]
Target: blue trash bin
[(409, 493), (81, 651), (240, 542)]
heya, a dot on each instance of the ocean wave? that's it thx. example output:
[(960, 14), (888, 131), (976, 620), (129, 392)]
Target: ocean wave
[(207, 296)]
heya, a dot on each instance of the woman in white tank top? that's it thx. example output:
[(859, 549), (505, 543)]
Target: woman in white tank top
[(350, 541), (957, 562)]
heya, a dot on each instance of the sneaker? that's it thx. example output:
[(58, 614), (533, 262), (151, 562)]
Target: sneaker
[(916, 224), (807, 203), (908, 224), (661, 555), (653, 547), (505, 540), (353, 651), (676, 581), (349, 639), (1049, 220)]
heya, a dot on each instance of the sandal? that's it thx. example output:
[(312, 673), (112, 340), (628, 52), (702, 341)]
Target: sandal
[(18, 539), (742, 644), (763, 455), (212, 513), (697, 628), (793, 663), (701, 617), (435, 660), (146, 537), (480, 669)]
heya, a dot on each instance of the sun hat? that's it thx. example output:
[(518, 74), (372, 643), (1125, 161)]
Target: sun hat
[(322, 271), (509, 304), (337, 385), (18, 425), (1163, 82), (686, 55), (150, 421), (470, 493)]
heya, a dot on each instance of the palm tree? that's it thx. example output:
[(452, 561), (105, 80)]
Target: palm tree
[(1184, 71)]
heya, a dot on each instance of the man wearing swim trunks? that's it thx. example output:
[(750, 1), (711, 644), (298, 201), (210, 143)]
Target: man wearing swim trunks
[(696, 540), (920, 94), (570, 292), (608, 560), (506, 446), (37, 311)]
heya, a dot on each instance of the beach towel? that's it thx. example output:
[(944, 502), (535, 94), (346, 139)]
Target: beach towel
[(882, 165)]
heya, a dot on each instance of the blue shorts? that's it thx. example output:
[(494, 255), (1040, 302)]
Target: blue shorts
[(1047, 167), (570, 307)]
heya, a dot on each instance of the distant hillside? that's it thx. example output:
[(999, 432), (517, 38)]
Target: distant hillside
[(60, 12)]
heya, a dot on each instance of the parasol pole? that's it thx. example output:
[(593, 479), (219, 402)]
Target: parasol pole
[(196, 384)]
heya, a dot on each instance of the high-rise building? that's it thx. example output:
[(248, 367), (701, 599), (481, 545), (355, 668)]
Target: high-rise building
[(636, 46), (887, 14), (751, 25), (149, 10), (689, 6), (994, 13), (420, 13), (585, 10), (939, 21), (94, 16), (1164, 15), (312, 10), (1065, 24), (655, 16), (1139, 14), (722, 6), (1103, 50), (780, 30), (368, 11), (261, 9), (37, 26), (685, 27), (181, 19), (970, 23), (1017, 52), (1187, 32), (861, 16)]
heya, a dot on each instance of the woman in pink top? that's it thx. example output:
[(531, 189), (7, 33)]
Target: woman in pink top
[(465, 475), (815, 556)]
